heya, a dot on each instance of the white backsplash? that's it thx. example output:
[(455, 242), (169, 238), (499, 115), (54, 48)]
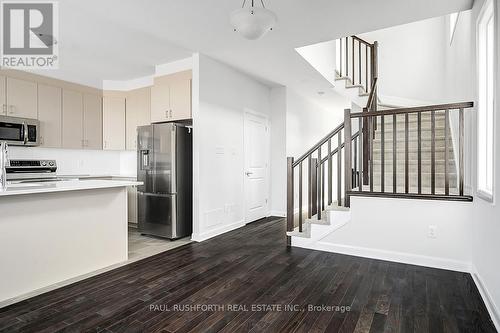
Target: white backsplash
[(81, 162)]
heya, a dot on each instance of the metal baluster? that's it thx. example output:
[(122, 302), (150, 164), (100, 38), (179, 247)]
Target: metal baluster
[(382, 154), (339, 169), (309, 187), (319, 174), (300, 197), (433, 152), (353, 63), (461, 151), (446, 153), (340, 53), (419, 130), (360, 151), (347, 157), (370, 141), (314, 189), (359, 62), (366, 68), (394, 148), (330, 173), (355, 166), (346, 57), (323, 186), (407, 155)]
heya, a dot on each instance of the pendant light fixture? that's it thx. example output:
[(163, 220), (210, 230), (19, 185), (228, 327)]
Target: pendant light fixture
[(253, 22)]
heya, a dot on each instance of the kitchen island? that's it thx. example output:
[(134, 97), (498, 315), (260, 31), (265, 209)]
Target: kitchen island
[(54, 231)]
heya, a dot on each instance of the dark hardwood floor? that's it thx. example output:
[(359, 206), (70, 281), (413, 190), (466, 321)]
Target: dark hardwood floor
[(192, 289)]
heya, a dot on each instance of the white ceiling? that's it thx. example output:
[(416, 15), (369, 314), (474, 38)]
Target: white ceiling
[(125, 39)]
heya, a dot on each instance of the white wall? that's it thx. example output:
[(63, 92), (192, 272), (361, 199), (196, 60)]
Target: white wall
[(397, 229), (307, 123), (486, 222), (224, 95), (81, 162), (278, 151), (412, 60)]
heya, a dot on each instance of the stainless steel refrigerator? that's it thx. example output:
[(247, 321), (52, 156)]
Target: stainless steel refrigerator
[(164, 165)]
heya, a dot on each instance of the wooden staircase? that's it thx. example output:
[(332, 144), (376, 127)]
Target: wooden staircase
[(393, 152)]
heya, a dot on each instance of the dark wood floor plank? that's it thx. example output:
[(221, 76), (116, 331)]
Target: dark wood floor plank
[(252, 265)]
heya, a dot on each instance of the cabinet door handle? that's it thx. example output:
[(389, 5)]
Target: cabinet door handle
[(4, 107), (166, 113), (11, 109), (170, 113)]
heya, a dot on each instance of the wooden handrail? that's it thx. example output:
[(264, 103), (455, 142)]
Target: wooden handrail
[(437, 107), (319, 144), (371, 97), (355, 152), (335, 151), (362, 40)]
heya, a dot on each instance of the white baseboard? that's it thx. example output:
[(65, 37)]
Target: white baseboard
[(487, 299), (216, 231), (277, 213), (401, 257)]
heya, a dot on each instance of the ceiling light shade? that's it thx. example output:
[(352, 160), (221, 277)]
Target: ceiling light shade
[(253, 22)]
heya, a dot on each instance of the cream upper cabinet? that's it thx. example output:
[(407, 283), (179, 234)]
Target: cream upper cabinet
[(138, 113), (72, 120), (3, 97), (160, 101), (92, 121), (21, 98), (50, 116), (171, 97), (180, 98), (114, 122)]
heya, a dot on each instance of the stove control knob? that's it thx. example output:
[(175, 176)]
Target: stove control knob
[(51, 164), (44, 163)]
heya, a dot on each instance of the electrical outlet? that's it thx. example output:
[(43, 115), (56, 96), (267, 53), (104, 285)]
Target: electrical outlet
[(432, 231)]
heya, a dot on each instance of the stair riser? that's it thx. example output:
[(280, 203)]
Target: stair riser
[(412, 145), (412, 168), (426, 133), (411, 124), (413, 180), (411, 155)]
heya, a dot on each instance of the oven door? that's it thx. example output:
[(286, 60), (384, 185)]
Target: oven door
[(11, 131)]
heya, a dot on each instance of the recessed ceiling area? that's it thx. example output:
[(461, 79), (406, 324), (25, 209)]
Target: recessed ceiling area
[(125, 39)]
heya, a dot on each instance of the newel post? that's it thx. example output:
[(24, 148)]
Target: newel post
[(374, 73), (347, 157), (289, 197)]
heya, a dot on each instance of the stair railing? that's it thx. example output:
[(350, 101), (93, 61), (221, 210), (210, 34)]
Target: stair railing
[(358, 61), (411, 189), (319, 180)]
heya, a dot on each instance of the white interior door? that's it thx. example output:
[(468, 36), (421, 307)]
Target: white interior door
[(256, 167)]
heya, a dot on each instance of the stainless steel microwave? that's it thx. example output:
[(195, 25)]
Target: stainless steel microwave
[(19, 131)]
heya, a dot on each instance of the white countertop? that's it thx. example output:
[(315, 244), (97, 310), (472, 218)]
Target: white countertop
[(61, 186)]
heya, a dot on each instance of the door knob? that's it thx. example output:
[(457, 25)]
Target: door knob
[(248, 173)]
